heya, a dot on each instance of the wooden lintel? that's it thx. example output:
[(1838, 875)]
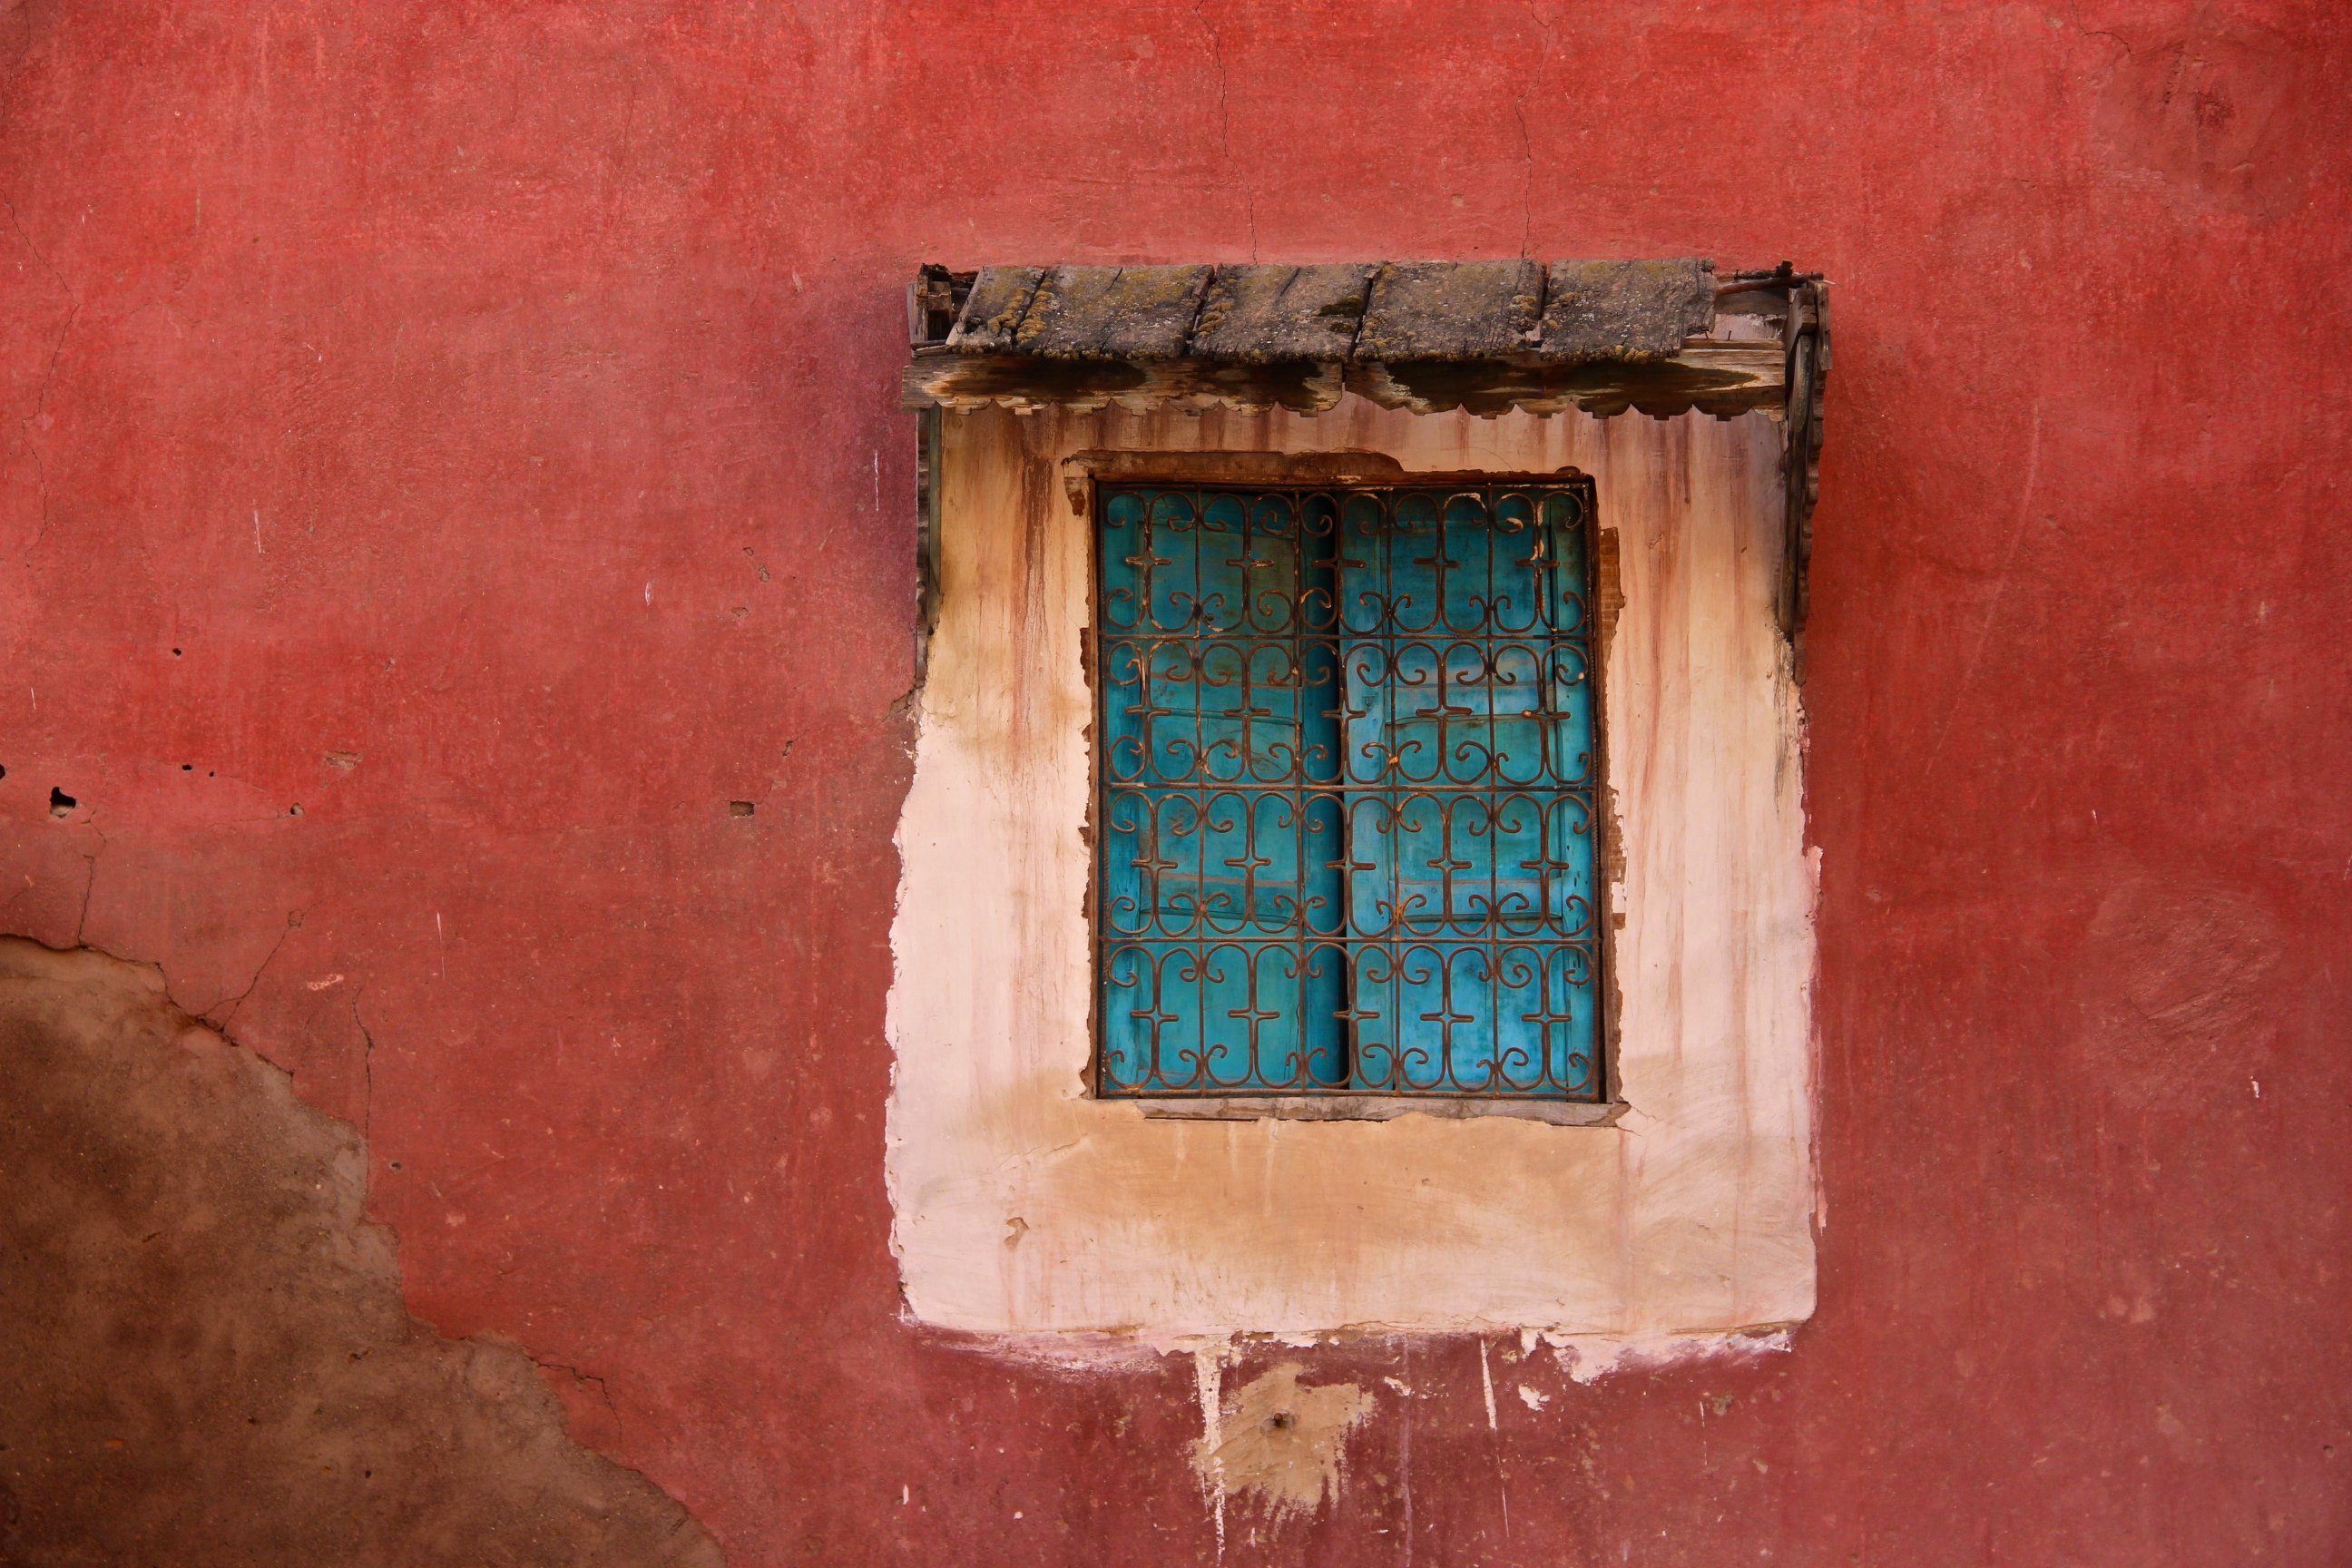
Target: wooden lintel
[(1715, 376), (949, 380)]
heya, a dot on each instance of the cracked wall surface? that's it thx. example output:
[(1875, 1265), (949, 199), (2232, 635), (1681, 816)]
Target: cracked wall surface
[(205, 1357)]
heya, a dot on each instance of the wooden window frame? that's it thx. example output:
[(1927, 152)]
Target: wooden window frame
[(1083, 474)]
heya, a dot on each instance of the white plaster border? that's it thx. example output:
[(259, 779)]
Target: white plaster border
[(1023, 1208)]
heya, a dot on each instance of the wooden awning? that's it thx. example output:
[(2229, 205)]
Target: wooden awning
[(1661, 338)]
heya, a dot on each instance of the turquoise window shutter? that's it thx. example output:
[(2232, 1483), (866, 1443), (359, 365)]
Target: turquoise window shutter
[(1345, 793), (1469, 730), (1221, 907)]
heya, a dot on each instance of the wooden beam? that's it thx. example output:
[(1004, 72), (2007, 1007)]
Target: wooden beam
[(1714, 376)]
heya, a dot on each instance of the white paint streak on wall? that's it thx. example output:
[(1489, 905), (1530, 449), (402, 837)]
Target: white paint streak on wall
[(1486, 1384), (1588, 1358), (1208, 1376), (1404, 1456), (1689, 1218)]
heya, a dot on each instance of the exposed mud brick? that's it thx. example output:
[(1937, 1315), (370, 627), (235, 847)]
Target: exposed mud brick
[(207, 1361)]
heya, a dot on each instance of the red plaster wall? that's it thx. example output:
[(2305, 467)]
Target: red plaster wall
[(476, 425)]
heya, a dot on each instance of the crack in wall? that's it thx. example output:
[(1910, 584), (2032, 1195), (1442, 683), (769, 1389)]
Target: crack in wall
[(1527, 139), (367, 1070), (226, 1007), (1225, 118), (603, 1389), (49, 377)]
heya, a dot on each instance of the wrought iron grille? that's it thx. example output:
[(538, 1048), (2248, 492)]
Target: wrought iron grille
[(1345, 788)]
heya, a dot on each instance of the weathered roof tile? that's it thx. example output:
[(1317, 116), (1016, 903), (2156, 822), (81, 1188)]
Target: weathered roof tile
[(1452, 310), (999, 297), (1263, 315), (1112, 312), (1572, 312), (1625, 309)]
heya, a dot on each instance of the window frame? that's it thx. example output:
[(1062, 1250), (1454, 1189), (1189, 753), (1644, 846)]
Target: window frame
[(1088, 475)]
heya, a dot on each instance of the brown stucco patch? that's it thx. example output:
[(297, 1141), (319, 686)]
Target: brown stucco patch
[(207, 1359), (1281, 1444)]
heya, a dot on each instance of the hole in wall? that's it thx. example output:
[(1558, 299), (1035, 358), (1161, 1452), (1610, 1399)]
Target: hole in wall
[(738, 808), (176, 653), (61, 802)]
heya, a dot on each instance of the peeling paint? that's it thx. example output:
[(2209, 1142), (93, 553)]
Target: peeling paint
[(1589, 1358), (207, 1358), (1275, 1442)]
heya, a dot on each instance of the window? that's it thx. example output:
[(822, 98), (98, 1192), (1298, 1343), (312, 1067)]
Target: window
[(1348, 878), (1346, 757)]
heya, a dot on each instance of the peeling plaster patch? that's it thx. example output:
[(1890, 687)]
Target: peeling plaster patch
[(1079, 1356), (207, 1357), (1588, 1358), (1275, 1442)]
